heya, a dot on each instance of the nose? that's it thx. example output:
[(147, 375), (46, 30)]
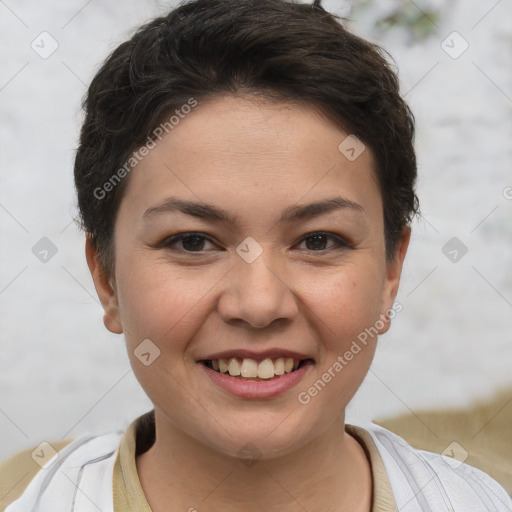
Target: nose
[(257, 294)]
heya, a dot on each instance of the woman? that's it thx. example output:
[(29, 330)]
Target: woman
[(245, 179)]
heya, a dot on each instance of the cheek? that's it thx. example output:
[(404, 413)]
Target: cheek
[(345, 313), (156, 303), (346, 301)]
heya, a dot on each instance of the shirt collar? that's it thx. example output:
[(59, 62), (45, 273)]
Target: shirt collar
[(140, 436)]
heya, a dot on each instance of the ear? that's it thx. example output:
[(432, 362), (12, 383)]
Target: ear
[(393, 273), (105, 289)]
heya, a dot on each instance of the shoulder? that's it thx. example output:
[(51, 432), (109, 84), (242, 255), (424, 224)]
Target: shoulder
[(422, 479), (51, 472), (18, 471)]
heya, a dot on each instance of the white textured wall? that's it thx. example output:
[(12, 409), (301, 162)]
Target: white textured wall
[(62, 373)]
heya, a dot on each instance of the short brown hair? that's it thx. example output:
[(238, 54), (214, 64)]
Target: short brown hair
[(281, 50)]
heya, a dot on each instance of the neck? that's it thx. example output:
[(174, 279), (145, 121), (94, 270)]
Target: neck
[(330, 473)]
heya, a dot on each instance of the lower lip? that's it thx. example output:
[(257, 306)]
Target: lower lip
[(257, 388)]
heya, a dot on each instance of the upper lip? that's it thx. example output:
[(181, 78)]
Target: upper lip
[(271, 353)]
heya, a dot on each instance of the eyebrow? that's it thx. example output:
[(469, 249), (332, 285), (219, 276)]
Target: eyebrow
[(291, 214)]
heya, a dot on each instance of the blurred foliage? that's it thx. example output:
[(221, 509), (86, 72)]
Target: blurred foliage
[(420, 24), (419, 20)]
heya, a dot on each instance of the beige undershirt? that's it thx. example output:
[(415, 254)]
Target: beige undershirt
[(18, 471), (129, 496)]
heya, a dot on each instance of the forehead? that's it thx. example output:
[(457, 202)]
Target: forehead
[(253, 151)]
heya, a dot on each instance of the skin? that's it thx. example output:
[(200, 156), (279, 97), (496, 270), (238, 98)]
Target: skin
[(251, 158)]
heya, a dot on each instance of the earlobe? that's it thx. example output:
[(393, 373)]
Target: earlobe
[(394, 271), (104, 288)]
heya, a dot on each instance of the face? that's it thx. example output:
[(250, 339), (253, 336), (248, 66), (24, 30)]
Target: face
[(285, 255)]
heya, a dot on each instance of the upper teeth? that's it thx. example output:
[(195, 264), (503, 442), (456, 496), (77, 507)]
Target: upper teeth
[(250, 368)]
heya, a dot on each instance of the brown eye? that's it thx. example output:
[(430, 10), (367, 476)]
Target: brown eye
[(190, 242), (318, 242)]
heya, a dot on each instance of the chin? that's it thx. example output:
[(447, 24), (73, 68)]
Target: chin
[(261, 440)]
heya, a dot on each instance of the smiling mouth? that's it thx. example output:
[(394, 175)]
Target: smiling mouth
[(250, 369)]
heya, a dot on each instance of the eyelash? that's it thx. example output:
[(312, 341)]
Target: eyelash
[(170, 242)]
